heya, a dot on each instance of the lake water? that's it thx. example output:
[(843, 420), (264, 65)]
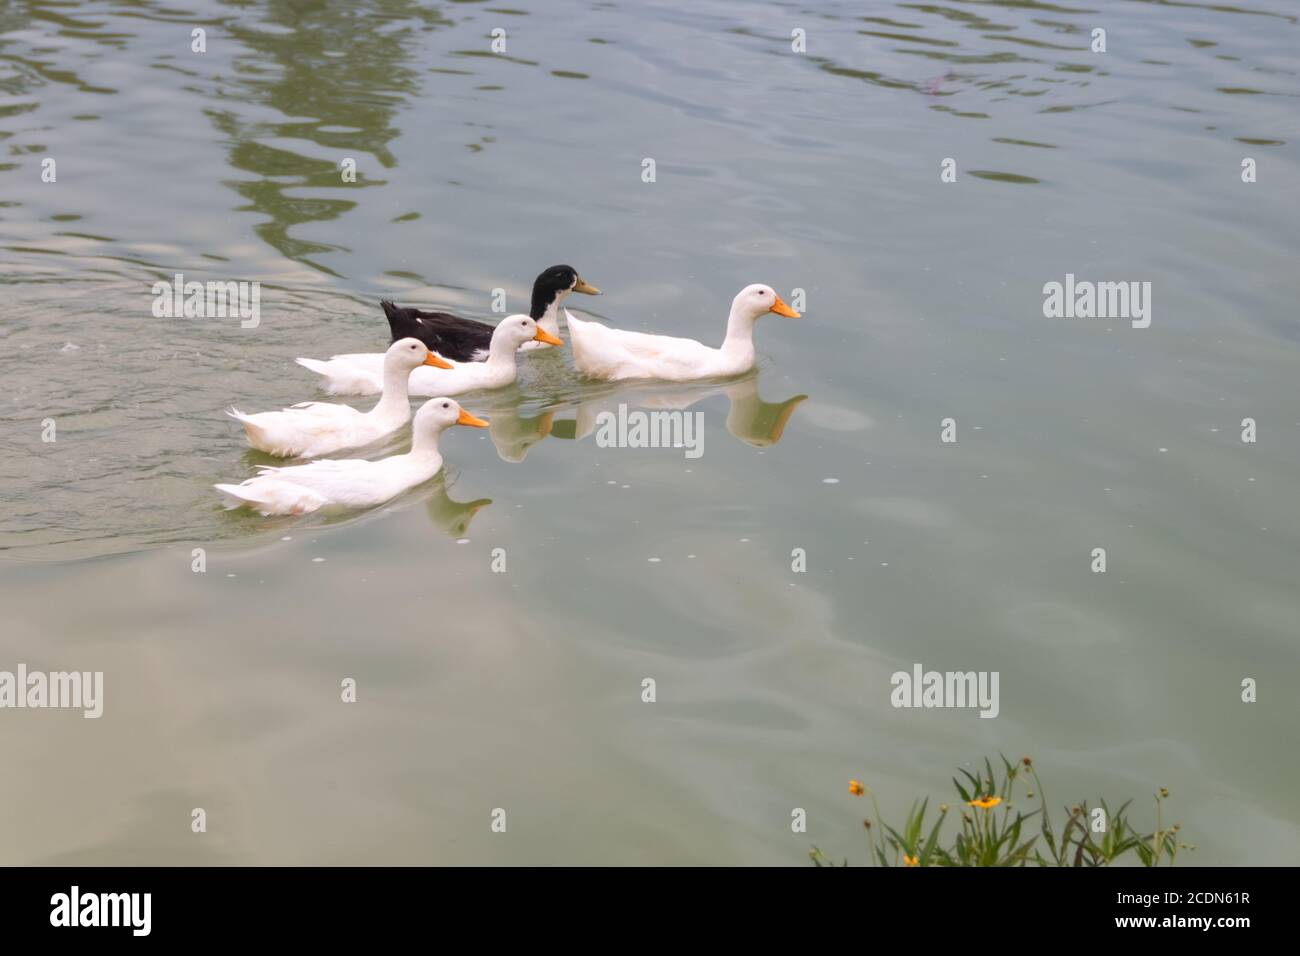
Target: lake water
[(522, 690)]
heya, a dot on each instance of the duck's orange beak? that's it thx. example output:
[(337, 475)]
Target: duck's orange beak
[(780, 308), (544, 336), (467, 419), (436, 361)]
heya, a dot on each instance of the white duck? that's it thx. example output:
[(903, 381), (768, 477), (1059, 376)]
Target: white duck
[(614, 354), (311, 429), (360, 373), (352, 483)]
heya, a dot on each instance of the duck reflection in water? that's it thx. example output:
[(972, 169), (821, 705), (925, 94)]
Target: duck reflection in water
[(749, 418), (452, 517), (512, 434)]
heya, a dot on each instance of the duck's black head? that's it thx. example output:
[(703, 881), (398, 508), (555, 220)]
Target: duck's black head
[(557, 281)]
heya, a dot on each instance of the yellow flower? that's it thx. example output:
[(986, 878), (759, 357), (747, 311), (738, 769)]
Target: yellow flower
[(910, 860), (855, 788), (984, 803)]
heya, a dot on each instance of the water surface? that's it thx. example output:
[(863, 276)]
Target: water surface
[(523, 691)]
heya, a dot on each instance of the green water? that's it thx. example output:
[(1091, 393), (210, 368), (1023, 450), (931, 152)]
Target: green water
[(522, 690)]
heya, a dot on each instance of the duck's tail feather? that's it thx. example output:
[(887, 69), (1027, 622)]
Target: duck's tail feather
[(235, 495), (341, 379), (577, 341), (271, 497), (399, 320), (252, 430)]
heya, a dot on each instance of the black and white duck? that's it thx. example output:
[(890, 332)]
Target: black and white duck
[(469, 340)]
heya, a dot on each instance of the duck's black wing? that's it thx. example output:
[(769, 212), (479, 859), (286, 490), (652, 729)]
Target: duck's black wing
[(461, 340)]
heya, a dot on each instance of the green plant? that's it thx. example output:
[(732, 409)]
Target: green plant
[(987, 836)]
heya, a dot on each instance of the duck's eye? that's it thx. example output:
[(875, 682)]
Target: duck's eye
[(762, 292), (445, 405)]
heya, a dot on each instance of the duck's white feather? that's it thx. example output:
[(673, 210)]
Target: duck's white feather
[(341, 483), (312, 429), (361, 373), (351, 482), (615, 354), (309, 429)]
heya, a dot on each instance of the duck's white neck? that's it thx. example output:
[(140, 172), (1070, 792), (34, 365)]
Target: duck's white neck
[(501, 352), (424, 447), (740, 332), (550, 319), (395, 398)]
